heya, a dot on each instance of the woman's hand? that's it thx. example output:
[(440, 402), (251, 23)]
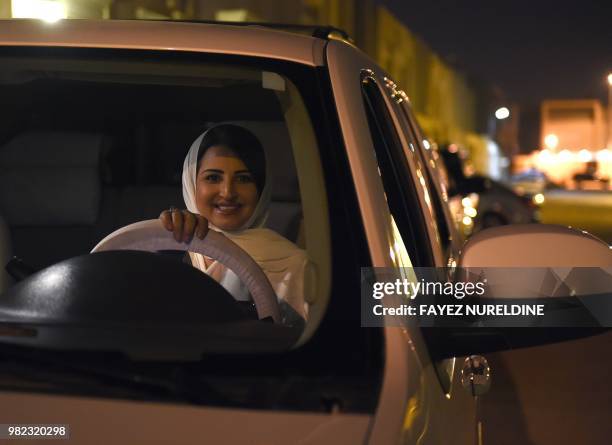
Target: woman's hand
[(183, 224)]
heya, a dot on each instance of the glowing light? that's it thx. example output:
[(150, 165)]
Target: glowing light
[(610, 79), (604, 155), (585, 155), (538, 199), (48, 10), (232, 15), (467, 221), (471, 212), (565, 155), (469, 204), (551, 141), (426, 144), (545, 156), (502, 113)]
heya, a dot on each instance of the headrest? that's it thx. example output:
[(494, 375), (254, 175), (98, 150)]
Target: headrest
[(51, 178)]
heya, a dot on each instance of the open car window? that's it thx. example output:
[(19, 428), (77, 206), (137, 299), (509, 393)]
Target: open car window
[(92, 141)]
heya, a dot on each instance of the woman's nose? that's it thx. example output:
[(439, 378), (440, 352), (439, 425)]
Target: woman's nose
[(227, 189)]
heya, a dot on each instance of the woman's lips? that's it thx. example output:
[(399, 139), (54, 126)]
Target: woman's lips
[(227, 208)]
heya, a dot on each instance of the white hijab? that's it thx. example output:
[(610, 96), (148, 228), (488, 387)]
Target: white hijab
[(291, 273)]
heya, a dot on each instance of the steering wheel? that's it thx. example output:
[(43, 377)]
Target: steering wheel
[(151, 236)]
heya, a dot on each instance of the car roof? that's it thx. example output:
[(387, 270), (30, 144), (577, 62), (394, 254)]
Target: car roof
[(256, 41)]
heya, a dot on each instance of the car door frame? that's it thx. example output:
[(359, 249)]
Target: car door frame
[(412, 404)]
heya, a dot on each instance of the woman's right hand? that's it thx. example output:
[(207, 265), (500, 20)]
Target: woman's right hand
[(183, 224)]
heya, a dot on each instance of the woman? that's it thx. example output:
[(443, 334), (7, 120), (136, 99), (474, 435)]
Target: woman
[(226, 188)]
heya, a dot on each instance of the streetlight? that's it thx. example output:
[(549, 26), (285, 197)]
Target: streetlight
[(502, 113), (48, 10), (551, 141)]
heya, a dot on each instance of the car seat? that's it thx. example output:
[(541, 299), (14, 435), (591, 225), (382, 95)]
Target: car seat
[(50, 193)]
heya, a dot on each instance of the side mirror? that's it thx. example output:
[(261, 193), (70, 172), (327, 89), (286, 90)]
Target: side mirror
[(526, 255), (535, 245)]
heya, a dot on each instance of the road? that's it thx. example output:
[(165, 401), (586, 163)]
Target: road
[(588, 210)]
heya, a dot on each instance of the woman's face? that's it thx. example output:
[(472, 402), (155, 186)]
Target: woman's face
[(226, 194)]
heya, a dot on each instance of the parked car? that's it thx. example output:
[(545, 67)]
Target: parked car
[(134, 347), (485, 202), (531, 183)]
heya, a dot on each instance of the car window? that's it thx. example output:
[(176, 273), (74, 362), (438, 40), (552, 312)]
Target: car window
[(387, 141), (399, 188), (419, 150), (93, 140), (436, 168)]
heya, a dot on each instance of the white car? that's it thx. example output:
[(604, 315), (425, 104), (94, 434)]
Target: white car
[(122, 347)]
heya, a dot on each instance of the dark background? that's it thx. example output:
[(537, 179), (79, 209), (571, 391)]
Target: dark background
[(532, 50)]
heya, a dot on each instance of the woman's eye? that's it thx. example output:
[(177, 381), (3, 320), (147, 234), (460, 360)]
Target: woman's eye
[(244, 179), (213, 178)]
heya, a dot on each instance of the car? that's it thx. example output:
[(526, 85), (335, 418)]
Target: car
[(531, 182), (485, 202), (126, 346)]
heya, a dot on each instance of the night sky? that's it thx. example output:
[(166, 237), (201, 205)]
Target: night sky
[(532, 50)]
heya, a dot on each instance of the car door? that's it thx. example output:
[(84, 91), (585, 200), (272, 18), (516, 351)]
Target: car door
[(415, 405)]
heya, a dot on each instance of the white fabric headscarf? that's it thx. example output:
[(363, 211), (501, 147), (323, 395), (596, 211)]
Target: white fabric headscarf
[(291, 273)]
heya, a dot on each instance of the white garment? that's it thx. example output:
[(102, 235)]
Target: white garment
[(288, 268)]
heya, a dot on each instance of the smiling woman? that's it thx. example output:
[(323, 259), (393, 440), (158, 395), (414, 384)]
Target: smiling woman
[(230, 171), (227, 193), (225, 188)]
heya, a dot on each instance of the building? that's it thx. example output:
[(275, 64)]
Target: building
[(573, 138), (573, 124)]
